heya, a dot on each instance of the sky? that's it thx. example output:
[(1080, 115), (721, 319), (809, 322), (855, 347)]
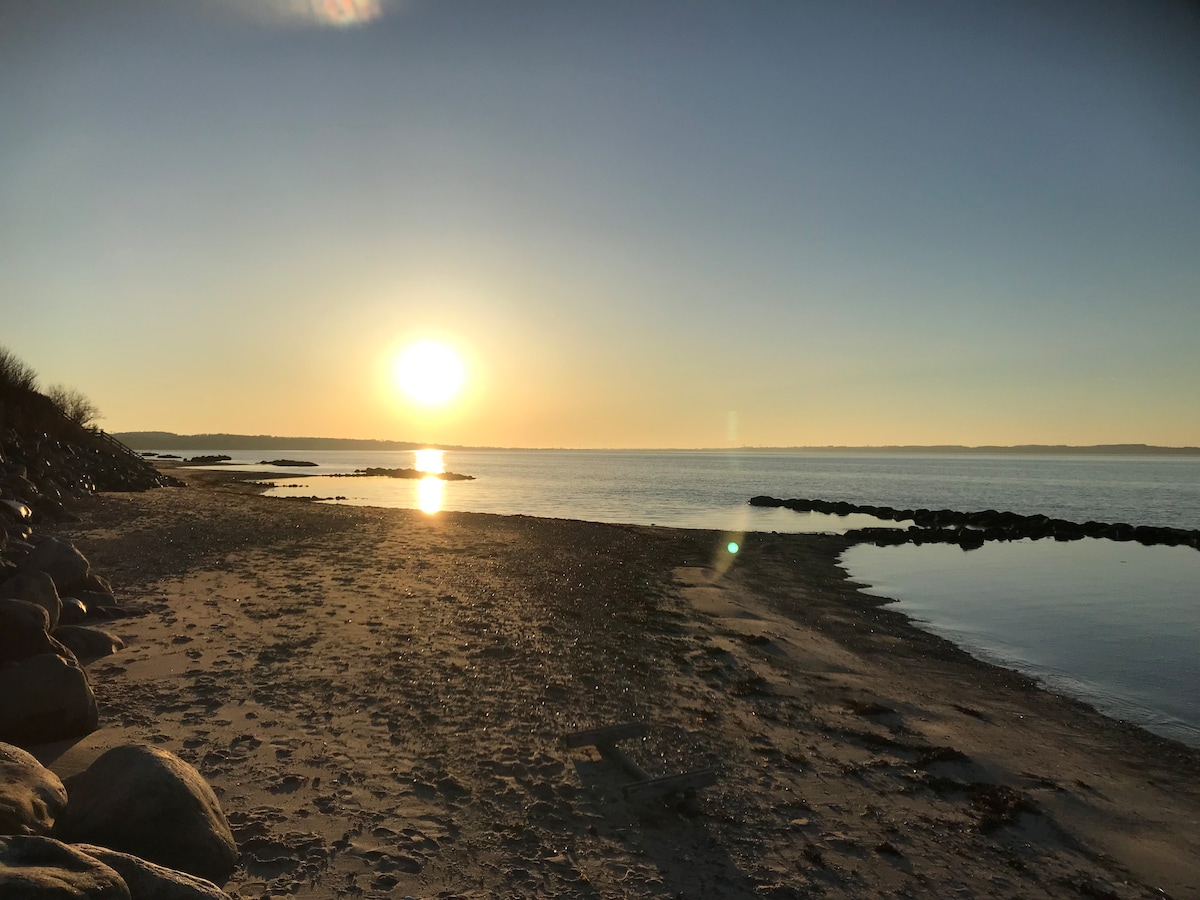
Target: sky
[(640, 224)]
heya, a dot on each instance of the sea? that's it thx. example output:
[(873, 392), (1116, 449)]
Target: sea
[(1114, 624)]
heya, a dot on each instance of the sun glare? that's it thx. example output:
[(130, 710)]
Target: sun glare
[(429, 461), (430, 373), (431, 492)]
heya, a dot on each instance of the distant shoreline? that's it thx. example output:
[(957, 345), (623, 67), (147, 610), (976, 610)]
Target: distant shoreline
[(166, 440)]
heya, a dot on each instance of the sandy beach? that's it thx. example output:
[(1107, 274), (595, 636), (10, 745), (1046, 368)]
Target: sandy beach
[(381, 698)]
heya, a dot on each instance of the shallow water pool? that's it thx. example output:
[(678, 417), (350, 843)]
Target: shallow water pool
[(1116, 625)]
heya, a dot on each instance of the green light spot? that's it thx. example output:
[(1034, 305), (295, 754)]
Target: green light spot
[(732, 547)]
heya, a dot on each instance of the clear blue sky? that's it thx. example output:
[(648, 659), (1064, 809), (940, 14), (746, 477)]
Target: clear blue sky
[(642, 224)]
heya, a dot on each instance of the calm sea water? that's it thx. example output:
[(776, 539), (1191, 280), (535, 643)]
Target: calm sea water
[(703, 489), (1114, 624)]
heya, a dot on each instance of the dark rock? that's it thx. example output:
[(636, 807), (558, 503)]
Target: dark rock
[(150, 803), (1066, 531), (970, 529), (15, 511), (36, 587), (60, 560), (1034, 531), (41, 868), (377, 472), (31, 796), (968, 539), (147, 881), (765, 501), (96, 584), (45, 698), (74, 611), (92, 599), (87, 643), (107, 612), (1149, 535), (1120, 532), (24, 631), (18, 547)]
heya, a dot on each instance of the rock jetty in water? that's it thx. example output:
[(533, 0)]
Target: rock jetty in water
[(973, 529), (405, 473)]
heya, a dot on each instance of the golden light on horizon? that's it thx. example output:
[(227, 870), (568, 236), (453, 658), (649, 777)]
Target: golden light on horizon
[(430, 373)]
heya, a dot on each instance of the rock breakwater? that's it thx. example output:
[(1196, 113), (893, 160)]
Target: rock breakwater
[(50, 604), (376, 472), (973, 529)]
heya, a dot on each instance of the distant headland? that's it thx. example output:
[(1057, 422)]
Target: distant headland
[(167, 440)]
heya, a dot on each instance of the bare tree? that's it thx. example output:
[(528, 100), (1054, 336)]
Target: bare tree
[(74, 405), (15, 374)]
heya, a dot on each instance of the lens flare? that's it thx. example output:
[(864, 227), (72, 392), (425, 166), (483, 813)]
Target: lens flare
[(726, 552), (336, 13)]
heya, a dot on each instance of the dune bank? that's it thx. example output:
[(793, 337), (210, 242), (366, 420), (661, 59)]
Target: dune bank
[(380, 700)]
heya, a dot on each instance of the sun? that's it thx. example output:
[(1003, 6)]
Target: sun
[(430, 373)]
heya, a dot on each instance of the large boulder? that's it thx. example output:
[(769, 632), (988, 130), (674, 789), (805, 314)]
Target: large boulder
[(148, 802), (41, 868), (147, 881), (74, 611), (31, 796), (15, 511), (87, 643), (36, 587), (98, 603), (97, 584), (23, 631), (45, 698), (60, 560)]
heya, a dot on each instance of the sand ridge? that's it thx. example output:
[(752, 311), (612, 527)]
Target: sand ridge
[(380, 697)]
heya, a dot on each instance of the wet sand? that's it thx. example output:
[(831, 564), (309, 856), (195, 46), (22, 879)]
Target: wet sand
[(380, 699)]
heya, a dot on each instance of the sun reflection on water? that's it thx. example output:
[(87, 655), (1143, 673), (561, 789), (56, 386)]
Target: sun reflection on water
[(431, 490), (430, 494), (430, 460)]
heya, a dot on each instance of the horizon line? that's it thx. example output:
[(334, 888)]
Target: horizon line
[(1122, 448)]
